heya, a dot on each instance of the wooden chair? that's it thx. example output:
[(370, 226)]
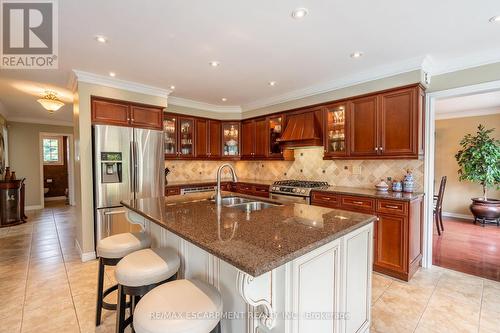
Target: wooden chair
[(438, 206)]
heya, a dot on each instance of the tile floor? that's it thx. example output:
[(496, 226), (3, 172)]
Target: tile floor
[(44, 287)]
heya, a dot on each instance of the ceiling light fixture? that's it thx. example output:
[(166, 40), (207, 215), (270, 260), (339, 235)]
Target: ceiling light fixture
[(112, 74), (495, 19), (299, 13), (172, 87), (356, 54), (272, 83), (214, 63), (101, 39), (224, 99), (50, 101)]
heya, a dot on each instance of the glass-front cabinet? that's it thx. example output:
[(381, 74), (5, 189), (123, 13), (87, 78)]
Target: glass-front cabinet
[(336, 120), (178, 134), (230, 139), (275, 124)]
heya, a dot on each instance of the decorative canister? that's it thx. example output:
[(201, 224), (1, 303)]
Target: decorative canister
[(397, 186), (408, 183)]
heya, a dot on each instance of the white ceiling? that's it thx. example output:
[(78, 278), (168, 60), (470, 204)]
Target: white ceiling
[(163, 43), (468, 106)]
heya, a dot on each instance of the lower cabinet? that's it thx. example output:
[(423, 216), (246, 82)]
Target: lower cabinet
[(259, 190), (397, 233)]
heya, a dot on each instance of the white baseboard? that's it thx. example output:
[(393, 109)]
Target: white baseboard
[(87, 256), (54, 198), (458, 216), (34, 207)]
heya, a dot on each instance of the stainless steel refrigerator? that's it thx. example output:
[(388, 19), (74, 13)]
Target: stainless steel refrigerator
[(128, 164)]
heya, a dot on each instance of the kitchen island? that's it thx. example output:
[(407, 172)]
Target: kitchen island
[(285, 268)]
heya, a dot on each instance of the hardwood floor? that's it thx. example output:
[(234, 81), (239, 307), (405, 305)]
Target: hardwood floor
[(468, 248)]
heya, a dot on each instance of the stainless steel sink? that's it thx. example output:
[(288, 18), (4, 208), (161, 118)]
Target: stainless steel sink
[(231, 201), (254, 205)]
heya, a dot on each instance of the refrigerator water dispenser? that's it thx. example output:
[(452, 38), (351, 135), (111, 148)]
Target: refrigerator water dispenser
[(111, 167)]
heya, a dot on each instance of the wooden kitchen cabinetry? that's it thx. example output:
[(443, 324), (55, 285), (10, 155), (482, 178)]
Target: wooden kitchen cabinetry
[(336, 130), (231, 143), (179, 136), (275, 130), (398, 230), (208, 142), (254, 139), (121, 113), (259, 190)]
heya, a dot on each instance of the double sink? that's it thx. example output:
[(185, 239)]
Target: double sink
[(245, 204)]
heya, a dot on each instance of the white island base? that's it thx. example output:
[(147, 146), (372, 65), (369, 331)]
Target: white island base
[(326, 290)]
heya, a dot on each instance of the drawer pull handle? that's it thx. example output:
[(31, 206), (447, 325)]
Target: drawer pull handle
[(357, 202), (391, 206)]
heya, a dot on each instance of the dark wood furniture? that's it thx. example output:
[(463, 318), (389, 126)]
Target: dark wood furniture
[(179, 136), (260, 190), (108, 111), (12, 196), (398, 230), (438, 206), (208, 139), (254, 139)]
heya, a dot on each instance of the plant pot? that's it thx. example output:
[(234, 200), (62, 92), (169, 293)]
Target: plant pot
[(488, 209)]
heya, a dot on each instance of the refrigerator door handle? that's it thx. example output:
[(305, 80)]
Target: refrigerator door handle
[(136, 168), (132, 168), (114, 212)]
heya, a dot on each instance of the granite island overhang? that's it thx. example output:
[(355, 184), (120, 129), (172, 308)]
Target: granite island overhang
[(285, 260)]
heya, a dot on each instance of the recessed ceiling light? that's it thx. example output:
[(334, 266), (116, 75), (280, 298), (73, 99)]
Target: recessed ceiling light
[(224, 99), (272, 83), (356, 54), (299, 13), (112, 74), (101, 39), (172, 87), (214, 63), (495, 19)]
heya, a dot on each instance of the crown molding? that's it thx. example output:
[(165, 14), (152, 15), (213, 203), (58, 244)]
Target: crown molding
[(3, 111), (40, 121), (379, 72), (467, 113), (81, 76), (465, 62), (179, 101)]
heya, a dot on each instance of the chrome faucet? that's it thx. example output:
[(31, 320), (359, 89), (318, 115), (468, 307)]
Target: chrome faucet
[(218, 196)]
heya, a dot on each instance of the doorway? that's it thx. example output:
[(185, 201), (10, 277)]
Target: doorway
[(462, 245), (56, 168)]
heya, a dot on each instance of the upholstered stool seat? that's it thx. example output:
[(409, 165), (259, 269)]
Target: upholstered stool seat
[(110, 250), (138, 273), (119, 245), (155, 311)]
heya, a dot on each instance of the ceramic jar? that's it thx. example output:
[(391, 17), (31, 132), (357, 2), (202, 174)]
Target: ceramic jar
[(408, 183)]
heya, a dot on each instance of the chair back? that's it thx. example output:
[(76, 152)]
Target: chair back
[(439, 201)]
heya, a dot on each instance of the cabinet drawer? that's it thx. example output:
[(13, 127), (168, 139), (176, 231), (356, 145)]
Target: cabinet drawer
[(172, 191), (357, 203), (261, 190), (325, 199), (244, 188), (392, 207)]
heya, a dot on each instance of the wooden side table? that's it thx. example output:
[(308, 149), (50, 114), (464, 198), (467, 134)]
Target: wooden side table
[(12, 202)]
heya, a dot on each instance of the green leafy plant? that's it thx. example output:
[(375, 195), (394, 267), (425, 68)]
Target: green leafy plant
[(479, 159)]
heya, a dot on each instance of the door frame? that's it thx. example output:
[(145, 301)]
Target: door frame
[(71, 166), (430, 120)]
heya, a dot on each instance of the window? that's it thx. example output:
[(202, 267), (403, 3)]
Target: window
[(52, 150)]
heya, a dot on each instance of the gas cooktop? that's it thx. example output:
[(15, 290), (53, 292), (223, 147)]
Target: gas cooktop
[(297, 187)]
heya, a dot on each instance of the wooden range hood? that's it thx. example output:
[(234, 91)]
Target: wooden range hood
[(302, 130)]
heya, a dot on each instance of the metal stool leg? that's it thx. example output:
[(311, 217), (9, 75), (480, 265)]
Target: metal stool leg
[(120, 315), (100, 296)]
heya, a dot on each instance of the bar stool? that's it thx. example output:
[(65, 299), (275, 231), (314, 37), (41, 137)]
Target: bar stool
[(110, 250), (169, 307), (139, 272)]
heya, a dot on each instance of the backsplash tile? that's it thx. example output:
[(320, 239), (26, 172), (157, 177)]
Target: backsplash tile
[(308, 164)]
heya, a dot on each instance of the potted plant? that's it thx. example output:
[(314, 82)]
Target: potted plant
[(479, 162)]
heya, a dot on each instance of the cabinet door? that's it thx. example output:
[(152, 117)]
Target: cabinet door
[(214, 138), (110, 113), (170, 135), (399, 123), (261, 135), (275, 129), (363, 129), (145, 117), (231, 139), (247, 139), (186, 137), (336, 130), (390, 251), (201, 145)]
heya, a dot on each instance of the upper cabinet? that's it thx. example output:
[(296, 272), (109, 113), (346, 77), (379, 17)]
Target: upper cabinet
[(275, 129), (385, 125), (336, 130), (179, 136), (231, 139), (121, 113), (254, 139), (208, 138)]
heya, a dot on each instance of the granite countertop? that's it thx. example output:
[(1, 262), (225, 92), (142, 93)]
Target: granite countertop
[(255, 242), (213, 181), (372, 193)]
